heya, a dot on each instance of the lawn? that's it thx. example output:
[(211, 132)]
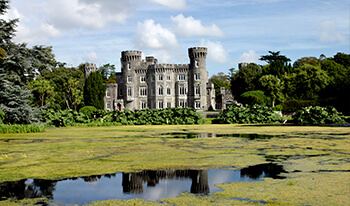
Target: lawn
[(316, 159)]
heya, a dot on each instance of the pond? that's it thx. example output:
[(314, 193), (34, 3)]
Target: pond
[(148, 184)]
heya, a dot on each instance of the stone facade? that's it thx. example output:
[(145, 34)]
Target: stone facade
[(145, 84)]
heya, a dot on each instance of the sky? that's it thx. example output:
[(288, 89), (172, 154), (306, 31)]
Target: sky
[(97, 31)]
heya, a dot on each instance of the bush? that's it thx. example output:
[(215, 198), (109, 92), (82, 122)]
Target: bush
[(255, 97), (2, 116), (88, 110), (17, 128), (247, 114), (295, 105), (139, 117), (315, 115)]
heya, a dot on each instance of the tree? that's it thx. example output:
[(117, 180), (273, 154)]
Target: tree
[(107, 71), (94, 90), (255, 97), (68, 87), (245, 79), (43, 91), (273, 86), (220, 80), (273, 57), (17, 65), (306, 60), (15, 101)]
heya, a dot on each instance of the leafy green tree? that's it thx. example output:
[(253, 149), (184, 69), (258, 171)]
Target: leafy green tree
[(220, 80), (107, 71), (68, 87), (274, 57), (18, 64), (306, 60), (255, 97), (43, 91), (273, 86), (94, 90), (307, 82), (245, 79)]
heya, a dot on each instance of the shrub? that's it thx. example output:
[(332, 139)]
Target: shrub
[(88, 110), (314, 115), (255, 97), (247, 114), (295, 105), (64, 118), (2, 116)]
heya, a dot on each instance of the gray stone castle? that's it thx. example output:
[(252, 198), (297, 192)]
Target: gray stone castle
[(145, 84)]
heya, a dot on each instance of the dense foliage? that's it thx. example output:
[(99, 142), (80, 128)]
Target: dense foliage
[(321, 80), (314, 115), (94, 90), (255, 97), (139, 117), (248, 114)]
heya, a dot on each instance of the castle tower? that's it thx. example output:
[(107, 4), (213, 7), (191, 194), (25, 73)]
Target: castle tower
[(198, 78), (130, 61), (88, 68)]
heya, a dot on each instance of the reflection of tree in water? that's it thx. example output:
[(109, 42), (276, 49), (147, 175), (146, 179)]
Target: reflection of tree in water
[(93, 178), (265, 170), (22, 189), (133, 182)]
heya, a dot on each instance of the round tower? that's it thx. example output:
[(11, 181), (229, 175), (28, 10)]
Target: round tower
[(130, 60), (198, 78)]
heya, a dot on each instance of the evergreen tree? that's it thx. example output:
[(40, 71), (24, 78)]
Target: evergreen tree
[(94, 90)]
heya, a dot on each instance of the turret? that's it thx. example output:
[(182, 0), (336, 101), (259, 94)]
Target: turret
[(130, 60), (88, 68), (198, 78)]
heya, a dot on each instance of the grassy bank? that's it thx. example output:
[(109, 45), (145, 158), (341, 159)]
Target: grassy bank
[(316, 159)]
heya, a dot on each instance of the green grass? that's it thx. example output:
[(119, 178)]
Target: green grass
[(16, 128), (59, 153)]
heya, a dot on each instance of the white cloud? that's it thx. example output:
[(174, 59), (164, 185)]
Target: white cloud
[(91, 56), (249, 57), (89, 14), (216, 51), (329, 33), (150, 35), (174, 4), (192, 27)]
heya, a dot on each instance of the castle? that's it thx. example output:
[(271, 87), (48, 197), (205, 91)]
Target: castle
[(145, 84)]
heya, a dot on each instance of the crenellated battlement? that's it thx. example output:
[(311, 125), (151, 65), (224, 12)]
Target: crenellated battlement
[(197, 52), (131, 56)]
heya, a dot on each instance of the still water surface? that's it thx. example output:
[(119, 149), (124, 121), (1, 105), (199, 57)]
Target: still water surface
[(147, 185)]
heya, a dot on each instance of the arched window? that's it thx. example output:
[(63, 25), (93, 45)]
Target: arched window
[(160, 90)]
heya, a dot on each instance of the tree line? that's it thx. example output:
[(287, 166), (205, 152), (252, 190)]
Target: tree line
[(310, 81)]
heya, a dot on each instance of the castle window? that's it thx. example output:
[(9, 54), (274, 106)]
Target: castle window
[(160, 77), (129, 79), (143, 91), (128, 66), (160, 90), (182, 103), (153, 91), (168, 77), (143, 104), (197, 90), (142, 79), (108, 94), (129, 92), (182, 90), (196, 63), (109, 105), (168, 91), (197, 105), (160, 104), (152, 78), (182, 77), (120, 92), (197, 76), (168, 104)]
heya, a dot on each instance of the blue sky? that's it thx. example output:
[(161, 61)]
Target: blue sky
[(234, 31)]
